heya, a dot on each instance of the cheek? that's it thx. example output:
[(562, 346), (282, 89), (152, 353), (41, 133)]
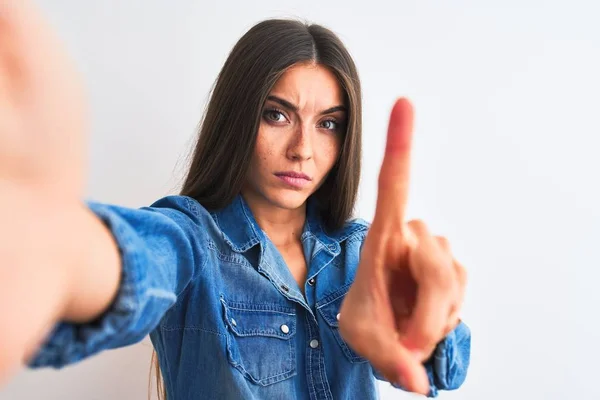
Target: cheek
[(263, 151), (329, 151)]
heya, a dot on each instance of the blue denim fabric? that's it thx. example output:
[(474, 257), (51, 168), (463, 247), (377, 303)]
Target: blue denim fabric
[(226, 316)]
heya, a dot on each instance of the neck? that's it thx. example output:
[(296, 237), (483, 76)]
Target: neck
[(283, 226)]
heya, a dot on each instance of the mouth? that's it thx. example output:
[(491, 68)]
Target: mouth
[(296, 180)]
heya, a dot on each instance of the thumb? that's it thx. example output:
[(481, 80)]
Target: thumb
[(400, 366)]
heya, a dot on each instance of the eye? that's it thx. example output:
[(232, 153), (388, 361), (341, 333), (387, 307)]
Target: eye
[(330, 124), (274, 115)]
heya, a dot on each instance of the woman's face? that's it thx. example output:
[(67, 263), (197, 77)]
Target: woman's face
[(299, 137)]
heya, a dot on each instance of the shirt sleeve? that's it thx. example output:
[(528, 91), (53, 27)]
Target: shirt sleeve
[(162, 250), (447, 367)]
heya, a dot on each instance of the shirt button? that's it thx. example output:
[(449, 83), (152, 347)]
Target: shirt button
[(338, 316), (311, 281), (332, 247), (285, 328), (314, 344), (233, 322)]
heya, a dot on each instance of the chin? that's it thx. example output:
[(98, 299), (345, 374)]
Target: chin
[(288, 199)]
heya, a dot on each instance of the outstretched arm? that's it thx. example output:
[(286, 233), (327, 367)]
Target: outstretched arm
[(75, 278)]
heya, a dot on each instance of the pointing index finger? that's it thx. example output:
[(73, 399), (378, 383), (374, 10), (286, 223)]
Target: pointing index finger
[(394, 176)]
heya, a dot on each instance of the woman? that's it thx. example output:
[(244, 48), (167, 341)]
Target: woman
[(253, 282)]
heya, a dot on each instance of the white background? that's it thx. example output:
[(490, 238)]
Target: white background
[(505, 161)]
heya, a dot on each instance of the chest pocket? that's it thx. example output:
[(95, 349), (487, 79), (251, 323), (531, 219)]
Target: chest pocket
[(260, 341), (329, 309)]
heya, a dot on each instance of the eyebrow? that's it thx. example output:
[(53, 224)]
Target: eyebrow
[(295, 108)]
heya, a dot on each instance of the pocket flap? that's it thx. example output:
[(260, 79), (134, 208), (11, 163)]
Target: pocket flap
[(260, 320), (331, 310)]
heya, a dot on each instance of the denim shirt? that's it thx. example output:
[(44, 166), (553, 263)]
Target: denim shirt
[(225, 314)]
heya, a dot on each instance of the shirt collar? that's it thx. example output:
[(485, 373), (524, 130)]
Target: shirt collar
[(240, 229), (242, 232)]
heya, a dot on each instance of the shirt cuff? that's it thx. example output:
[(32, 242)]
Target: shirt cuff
[(122, 323), (447, 368)]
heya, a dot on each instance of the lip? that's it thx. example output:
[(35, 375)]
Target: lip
[(295, 179), (293, 174)]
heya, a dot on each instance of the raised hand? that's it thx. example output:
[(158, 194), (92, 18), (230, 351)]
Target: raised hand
[(408, 289), (42, 108), (42, 123)]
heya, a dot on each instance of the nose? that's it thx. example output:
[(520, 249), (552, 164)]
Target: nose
[(300, 147)]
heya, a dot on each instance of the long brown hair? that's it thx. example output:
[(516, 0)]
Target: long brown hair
[(229, 128)]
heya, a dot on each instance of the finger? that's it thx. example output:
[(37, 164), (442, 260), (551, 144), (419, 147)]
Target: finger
[(10, 63), (420, 231), (30, 42), (435, 285), (20, 25), (461, 274), (398, 365), (428, 323), (443, 243), (454, 322), (453, 318), (395, 170), (461, 277)]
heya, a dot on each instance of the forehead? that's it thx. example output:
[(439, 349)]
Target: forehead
[(311, 84)]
